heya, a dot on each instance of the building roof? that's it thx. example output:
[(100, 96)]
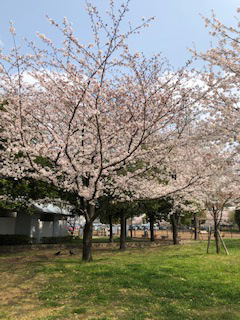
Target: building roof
[(51, 208)]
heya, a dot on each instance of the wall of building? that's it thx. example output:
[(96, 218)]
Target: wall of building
[(33, 226), (35, 231), (59, 227), (7, 225), (46, 228), (23, 224)]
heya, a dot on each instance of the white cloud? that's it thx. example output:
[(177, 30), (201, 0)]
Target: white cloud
[(1, 43)]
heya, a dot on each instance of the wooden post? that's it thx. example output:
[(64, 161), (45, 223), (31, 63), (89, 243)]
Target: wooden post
[(224, 246)]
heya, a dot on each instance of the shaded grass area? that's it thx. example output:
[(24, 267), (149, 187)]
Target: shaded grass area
[(77, 240), (106, 239), (172, 282)]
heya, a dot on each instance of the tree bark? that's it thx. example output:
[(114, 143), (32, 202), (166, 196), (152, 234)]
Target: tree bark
[(111, 229), (123, 231), (87, 234), (126, 228), (152, 227), (87, 242), (174, 221), (131, 231), (195, 227)]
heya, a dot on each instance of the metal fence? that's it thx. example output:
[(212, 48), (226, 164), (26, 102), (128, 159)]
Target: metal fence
[(183, 234)]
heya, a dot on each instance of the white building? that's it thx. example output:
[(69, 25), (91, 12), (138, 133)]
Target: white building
[(47, 221)]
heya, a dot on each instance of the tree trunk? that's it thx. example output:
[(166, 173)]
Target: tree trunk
[(152, 227), (111, 229), (216, 235), (131, 231), (195, 227), (123, 231), (174, 221), (87, 234), (126, 228), (87, 242)]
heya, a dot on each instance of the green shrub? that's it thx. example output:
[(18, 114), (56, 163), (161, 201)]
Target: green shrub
[(16, 239)]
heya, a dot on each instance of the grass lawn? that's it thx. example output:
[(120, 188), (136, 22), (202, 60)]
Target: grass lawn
[(77, 240), (171, 282)]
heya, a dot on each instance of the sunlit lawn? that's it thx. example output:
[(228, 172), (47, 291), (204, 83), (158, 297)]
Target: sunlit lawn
[(180, 282)]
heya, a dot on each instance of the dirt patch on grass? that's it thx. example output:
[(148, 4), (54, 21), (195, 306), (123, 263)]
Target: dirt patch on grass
[(19, 284), (23, 278)]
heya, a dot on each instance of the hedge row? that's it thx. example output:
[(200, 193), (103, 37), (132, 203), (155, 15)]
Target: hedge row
[(9, 240)]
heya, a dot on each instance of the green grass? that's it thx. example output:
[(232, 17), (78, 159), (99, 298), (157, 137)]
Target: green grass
[(115, 239), (171, 282)]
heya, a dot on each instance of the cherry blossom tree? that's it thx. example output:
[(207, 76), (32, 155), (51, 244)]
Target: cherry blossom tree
[(223, 76), (219, 188), (96, 118), (222, 125)]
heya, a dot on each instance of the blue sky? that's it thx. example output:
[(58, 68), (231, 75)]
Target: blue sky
[(177, 25)]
